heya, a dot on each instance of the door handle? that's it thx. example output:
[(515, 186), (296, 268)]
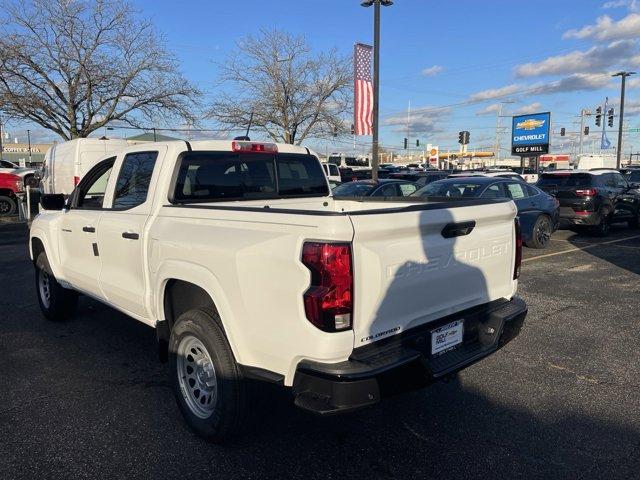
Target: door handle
[(458, 229), (89, 229), (130, 235)]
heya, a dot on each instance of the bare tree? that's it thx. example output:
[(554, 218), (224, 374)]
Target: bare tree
[(73, 66), (293, 93)]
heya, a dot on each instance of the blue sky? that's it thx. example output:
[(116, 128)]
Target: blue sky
[(453, 60)]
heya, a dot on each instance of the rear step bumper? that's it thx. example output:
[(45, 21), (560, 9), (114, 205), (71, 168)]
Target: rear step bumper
[(404, 362)]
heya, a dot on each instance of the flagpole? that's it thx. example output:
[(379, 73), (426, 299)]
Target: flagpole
[(376, 89)]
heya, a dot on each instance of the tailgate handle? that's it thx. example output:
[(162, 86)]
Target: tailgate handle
[(458, 229)]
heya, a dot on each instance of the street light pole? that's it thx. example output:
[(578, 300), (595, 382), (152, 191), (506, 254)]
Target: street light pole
[(375, 151), (29, 140), (1, 147), (623, 75)]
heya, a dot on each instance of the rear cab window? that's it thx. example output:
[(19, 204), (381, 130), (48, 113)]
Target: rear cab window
[(565, 180), (224, 176)]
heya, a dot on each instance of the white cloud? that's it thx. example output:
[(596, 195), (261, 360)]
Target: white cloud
[(608, 29), (492, 93), (426, 120), (489, 109), (596, 58), (571, 83), (633, 83), (632, 5), (531, 108), (432, 71)]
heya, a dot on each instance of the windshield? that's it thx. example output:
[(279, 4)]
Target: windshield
[(450, 189), (565, 180), (634, 176), (353, 189)]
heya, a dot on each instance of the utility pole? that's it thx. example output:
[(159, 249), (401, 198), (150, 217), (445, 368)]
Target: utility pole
[(623, 75), (583, 112), (376, 79), (1, 147), (496, 158), (29, 140)]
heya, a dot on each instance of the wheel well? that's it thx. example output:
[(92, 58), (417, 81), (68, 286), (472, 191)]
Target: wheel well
[(6, 192), (181, 296), (37, 247)]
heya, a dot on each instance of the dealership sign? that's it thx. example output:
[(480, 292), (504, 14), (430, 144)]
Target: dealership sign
[(530, 134)]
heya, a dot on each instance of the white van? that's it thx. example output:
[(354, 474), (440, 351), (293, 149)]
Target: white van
[(331, 171), (587, 162), (66, 163), (355, 163)]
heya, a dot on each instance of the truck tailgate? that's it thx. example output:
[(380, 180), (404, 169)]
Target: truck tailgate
[(406, 273)]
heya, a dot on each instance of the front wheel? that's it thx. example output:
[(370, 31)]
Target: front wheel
[(541, 234), (205, 376), (8, 206), (56, 302)]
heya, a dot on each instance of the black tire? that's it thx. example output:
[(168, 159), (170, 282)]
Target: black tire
[(8, 206), (635, 221), (56, 302), (215, 410), (541, 234), (603, 227)]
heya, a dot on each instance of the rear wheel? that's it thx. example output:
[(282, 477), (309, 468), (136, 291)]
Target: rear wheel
[(8, 206), (602, 229), (541, 233), (208, 385), (56, 302)]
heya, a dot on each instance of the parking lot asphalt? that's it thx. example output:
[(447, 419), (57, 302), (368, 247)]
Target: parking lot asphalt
[(88, 398)]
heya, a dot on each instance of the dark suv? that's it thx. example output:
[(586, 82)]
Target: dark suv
[(593, 199)]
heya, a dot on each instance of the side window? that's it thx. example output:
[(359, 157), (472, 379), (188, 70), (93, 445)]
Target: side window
[(516, 190), (90, 192), (493, 191), (532, 191), (333, 170), (620, 181), (609, 180), (134, 179), (386, 191), (407, 189)]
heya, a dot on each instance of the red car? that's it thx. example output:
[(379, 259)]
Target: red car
[(10, 186)]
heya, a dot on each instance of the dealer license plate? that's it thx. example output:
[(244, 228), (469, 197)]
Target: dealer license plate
[(446, 337)]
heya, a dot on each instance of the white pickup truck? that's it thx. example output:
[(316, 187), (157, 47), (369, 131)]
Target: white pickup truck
[(248, 269)]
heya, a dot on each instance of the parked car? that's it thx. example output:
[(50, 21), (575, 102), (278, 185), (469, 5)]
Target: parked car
[(66, 163), (384, 187), (529, 174), (538, 211), (253, 272), (332, 172), (388, 170), (633, 175), (420, 178), (11, 186), (593, 199), (28, 175)]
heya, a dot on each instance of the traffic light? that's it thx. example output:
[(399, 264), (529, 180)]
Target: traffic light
[(586, 130), (598, 116), (463, 137), (466, 137), (417, 143), (406, 141), (610, 117), (562, 131)]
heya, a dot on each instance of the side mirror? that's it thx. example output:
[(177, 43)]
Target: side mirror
[(634, 185), (52, 201)]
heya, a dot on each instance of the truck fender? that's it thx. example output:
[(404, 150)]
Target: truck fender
[(206, 280)]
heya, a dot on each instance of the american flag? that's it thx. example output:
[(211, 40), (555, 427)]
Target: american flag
[(363, 89)]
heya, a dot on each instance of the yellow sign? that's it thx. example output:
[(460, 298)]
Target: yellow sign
[(530, 124)]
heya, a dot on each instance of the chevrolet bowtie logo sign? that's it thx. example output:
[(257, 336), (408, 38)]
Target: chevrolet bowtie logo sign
[(530, 124)]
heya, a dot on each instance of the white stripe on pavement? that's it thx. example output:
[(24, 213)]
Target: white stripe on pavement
[(576, 249)]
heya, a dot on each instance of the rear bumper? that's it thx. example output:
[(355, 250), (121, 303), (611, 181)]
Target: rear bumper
[(404, 362), (569, 217)]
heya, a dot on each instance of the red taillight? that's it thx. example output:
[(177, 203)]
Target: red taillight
[(253, 147), (518, 261), (76, 181), (19, 185), (328, 303), (586, 192)]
